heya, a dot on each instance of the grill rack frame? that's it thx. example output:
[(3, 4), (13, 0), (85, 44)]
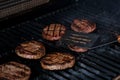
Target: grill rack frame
[(101, 64)]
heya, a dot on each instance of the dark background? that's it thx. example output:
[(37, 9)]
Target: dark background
[(107, 8), (34, 12)]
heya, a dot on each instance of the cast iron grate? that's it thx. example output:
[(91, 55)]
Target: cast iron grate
[(99, 64)]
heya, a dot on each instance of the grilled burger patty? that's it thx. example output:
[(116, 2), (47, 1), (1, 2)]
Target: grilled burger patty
[(77, 49), (83, 26), (14, 71), (53, 32), (57, 61), (31, 50)]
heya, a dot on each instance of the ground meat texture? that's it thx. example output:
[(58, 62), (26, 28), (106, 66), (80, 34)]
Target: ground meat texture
[(53, 32), (30, 50), (77, 49), (83, 25), (14, 71), (57, 61)]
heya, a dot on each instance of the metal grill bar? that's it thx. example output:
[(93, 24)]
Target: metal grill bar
[(107, 61), (107, 66), (95, 71), (97, 66)]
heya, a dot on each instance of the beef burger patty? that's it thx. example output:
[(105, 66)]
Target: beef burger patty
[(30, 50), (77, 49), (53, 32), (14, 71), (57, 61), (83, 25)]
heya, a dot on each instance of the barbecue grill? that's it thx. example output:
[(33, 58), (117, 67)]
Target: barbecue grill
[(101, 63)]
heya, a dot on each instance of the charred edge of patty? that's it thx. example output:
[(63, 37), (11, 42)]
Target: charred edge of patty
[(78, 49), (58, 66)]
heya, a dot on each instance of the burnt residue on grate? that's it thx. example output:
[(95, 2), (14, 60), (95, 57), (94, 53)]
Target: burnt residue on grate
[(98, 64)]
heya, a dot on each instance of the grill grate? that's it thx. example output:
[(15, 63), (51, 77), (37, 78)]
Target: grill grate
[(98, 64)]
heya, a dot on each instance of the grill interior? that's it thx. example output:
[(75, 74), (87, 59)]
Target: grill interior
[(10, 3), (98, 64), (12, 7)]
